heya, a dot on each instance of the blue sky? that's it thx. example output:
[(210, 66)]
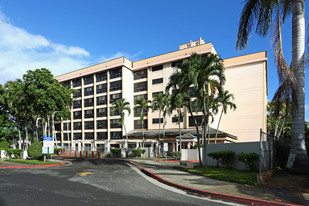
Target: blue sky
[(67, 35)]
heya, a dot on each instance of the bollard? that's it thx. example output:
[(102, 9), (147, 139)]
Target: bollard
[(92, 154), (75, 153), (86, 154), (81, 154), (98, 155), (60, 152), (65, 153)]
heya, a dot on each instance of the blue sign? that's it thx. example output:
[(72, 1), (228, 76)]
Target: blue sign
[(47, 138)]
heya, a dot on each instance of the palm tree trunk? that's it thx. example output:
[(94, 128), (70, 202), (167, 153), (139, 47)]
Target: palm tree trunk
[(281, 128), (218, 127), (143, 133), (159, 135), (19, 137), (298, 159), (197, 136), (179, 117), (127, 139)]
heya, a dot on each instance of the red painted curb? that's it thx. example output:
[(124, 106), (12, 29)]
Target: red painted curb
[(20, 166), (233, 198)]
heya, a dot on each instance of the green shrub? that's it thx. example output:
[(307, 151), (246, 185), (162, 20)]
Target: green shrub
[(57, 150), (195, 146), (176, 155), (108, 155), (14, 151), (35, 150), (116, 152), (249, 159), (138, 152), (4, 145), (222, 156)]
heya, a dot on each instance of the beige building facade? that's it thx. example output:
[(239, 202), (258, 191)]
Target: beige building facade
[(93, 125)]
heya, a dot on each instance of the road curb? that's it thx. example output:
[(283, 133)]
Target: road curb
[(206, 193), (33, 166)]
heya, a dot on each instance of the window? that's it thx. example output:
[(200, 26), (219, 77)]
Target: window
[(101, 88), (140, 74), (66, 84), (89, 135), (157, 81), (88, 113), (88, 80), (77, 104), (101, 100), (174, 64), (141, 86), (101, 76), (198, 119), (78, 93), (101, 124), (157, 68), (156, 93), (58, 127), (115, 97), (66, 126), (138, 124), (101, 135), (175, 119), (102, 112), (116, 135), (114, 123), (77, 136), (88, 125), (58, 136), (77, 115), (115, 73), (77, 82), (114, 86), (88, 91), (157, 120), (77, 125), (116, 112), (66, 136), (142, 96), (137, 112), (88, 102)]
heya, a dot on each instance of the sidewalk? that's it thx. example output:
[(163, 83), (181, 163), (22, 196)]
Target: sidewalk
[(166, 171)]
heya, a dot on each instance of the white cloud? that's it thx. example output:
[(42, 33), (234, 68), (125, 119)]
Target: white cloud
[(21, 51)]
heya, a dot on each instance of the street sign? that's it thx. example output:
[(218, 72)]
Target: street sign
[(165, 146), (48, 142), (44, 150), (51, 150)]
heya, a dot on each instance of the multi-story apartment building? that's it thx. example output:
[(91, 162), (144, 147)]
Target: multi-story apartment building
[(93, 124)]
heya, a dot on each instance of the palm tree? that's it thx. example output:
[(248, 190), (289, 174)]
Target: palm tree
[(159, 102), (225, 100), (121, 105), (291, 79), (143, 106)]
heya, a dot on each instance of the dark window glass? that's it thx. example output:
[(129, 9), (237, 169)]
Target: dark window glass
[(114, 123), (157, 120), (114, 86), (142, 96), (88, 125), (58, 127), (77, 115), (66, 136), (88, 113), (88, 102), (89, 135), (66, 84), (141, 86), (175, 119), (156, 93), (78, 93), (77, 125), (137, 112), (116, 135), (77, 136), (102, 100), (77, 82), (101, 88), (115, 97), (157, 81), (101, 124), (138, 124), (116, 112), (198, 119), (115, 73), (77, 104), (191, 92), (101, 76), (102, 112), (88, 91), (174, 64), (66, 126), (140, 74), (101, 135), (88, 80), (157, 68), (58, 136)]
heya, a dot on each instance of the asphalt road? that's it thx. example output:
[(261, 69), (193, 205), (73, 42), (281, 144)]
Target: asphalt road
[(89, 182)]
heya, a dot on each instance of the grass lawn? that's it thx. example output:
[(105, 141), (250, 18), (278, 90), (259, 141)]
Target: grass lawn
[(32, 162), (224, 174)]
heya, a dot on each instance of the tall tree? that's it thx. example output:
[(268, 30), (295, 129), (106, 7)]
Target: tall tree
[(120, 106), (225, 101), (291, 79), (142, 105)]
